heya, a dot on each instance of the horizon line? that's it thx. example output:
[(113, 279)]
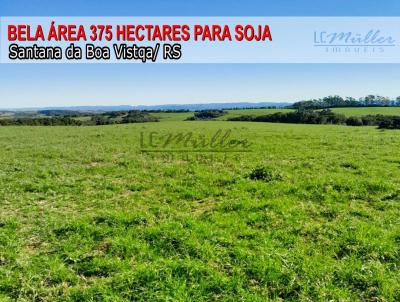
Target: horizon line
[(141, 105)]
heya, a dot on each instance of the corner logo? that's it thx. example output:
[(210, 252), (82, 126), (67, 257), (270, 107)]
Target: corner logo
[(372, 41)]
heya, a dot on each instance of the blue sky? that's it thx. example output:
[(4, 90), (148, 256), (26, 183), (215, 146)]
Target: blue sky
[(30, 85)]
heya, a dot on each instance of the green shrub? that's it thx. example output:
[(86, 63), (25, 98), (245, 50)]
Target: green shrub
[(354, 121), (264, 174)]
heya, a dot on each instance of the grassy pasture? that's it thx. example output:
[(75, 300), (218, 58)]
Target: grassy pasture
[(368, 110), (86, 216), (172, 116)]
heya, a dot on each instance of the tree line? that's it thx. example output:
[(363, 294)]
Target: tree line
[(325, 116), (41, 121), (337, 101), (206, 115), (109, 118), (119, 117)]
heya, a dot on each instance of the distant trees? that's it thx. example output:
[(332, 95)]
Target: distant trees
[(55, 112), (119, 117), (338, 101), (389, 122), (136, 116), (167, 111), (376, 100), (354, 121), (55, 121), (97, 119), (206, 115), (325, 116)]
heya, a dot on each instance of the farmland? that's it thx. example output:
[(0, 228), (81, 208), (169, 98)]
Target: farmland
[(358, 111), (163, 116), (181, 116), (86, 215)]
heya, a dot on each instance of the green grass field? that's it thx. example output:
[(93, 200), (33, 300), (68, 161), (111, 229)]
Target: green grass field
[(173, 116), (368, 110), (86, 216)]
